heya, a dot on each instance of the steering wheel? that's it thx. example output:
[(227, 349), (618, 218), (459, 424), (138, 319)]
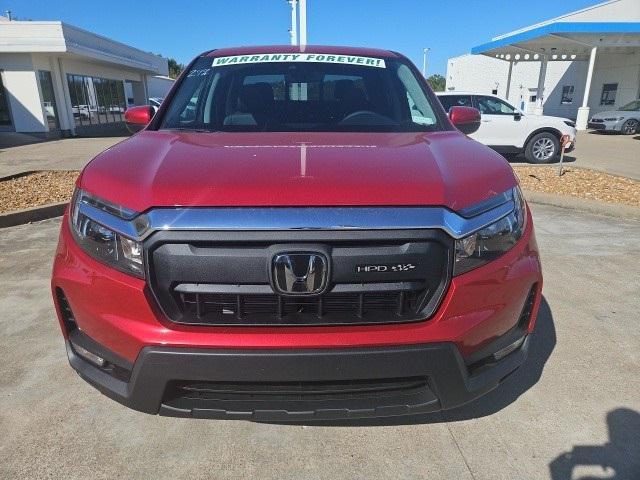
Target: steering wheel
[(358, 112)]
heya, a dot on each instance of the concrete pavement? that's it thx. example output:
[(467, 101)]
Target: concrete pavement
[(611, 153), (615, 154), (62, 154), (574, 406)]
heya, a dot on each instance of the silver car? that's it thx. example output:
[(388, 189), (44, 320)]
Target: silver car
[(625, 120)]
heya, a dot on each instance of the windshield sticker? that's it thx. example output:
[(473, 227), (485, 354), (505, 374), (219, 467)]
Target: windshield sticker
[(199, 72), (299, 57)]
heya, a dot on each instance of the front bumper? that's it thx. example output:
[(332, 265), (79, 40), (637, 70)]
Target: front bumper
[(265, 385), (481, 310), (615, 126)]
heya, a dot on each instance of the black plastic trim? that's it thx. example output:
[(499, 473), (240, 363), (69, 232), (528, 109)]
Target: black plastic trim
[(487, 205), (449, 382)]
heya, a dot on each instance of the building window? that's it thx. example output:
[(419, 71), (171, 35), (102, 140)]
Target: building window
[(609, 91), (96, 101), (567, 95)]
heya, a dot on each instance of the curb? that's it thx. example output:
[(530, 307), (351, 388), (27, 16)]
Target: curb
[(34, 214), (18, 175), (582, 204)]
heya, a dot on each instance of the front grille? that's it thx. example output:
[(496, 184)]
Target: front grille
[(226, 278), (308, 391), (337, 308)]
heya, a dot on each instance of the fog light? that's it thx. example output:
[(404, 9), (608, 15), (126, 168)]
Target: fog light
[(503, 352), (91, 357)]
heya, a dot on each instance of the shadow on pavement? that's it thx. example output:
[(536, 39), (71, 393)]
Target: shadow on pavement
[(619, 458), (543, 342)]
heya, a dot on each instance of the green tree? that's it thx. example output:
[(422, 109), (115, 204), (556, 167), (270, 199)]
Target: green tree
[(437, 82), (174, 67)]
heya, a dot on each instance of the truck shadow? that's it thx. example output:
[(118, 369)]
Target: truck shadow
[(543, 342), (618, 459)]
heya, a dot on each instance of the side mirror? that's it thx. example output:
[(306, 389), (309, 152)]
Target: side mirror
[(136, 118), (517, 116), (465, 119)]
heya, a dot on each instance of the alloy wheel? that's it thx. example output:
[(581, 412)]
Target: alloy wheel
[(630, 127), (543, 149)]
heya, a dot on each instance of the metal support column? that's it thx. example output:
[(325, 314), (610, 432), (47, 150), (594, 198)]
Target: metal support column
[(540, 90), (583, 112), (506, 95)]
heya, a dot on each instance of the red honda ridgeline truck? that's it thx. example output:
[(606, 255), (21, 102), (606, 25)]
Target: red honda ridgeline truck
[(297, 233)]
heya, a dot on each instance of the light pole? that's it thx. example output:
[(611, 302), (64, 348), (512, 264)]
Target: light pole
[(425, 53), (293, 31), (303, 22)]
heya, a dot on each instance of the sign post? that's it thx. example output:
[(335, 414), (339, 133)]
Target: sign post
[(564, 141)]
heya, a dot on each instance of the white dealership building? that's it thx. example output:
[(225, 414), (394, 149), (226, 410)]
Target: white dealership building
[(59, 79), (572, 66)]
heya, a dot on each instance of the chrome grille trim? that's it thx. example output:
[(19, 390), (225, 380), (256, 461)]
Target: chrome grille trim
[(298, 218)]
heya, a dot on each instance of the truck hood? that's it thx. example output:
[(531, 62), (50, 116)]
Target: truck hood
[(171, 168)]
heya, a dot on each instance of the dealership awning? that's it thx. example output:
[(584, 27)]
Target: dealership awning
[(563, 41)]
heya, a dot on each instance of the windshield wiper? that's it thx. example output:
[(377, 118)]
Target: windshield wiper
[(189, 129)]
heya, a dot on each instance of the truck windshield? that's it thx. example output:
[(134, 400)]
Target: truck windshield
[(311, 93)]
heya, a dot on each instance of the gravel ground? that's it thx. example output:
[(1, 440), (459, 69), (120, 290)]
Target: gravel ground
[(580, 182), (39, 188)]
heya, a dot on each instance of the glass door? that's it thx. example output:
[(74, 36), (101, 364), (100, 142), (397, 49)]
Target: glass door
[(49, 99)]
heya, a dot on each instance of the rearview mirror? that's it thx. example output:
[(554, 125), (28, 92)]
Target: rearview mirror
[(465, 119), (136, 118)]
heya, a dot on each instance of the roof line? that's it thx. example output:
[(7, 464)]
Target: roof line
[(111, 40), (560, 27), (554, 19)]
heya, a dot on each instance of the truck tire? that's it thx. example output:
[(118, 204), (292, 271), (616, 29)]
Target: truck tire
[(542, 148)]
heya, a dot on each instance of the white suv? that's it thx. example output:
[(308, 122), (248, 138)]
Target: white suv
[(509, 131)]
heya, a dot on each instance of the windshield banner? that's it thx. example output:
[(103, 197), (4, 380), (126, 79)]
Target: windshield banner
[(299, 57)]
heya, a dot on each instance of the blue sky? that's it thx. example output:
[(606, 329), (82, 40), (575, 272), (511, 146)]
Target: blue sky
[(184, 29)]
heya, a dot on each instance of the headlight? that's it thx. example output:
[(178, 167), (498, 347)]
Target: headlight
[(101, 242), (570, 123), (491, 241)]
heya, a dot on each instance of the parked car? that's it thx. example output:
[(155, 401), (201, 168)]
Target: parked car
[(49, 109), (624, 120), (509, 131), (81, 111), (281, 253), (155, 101)]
